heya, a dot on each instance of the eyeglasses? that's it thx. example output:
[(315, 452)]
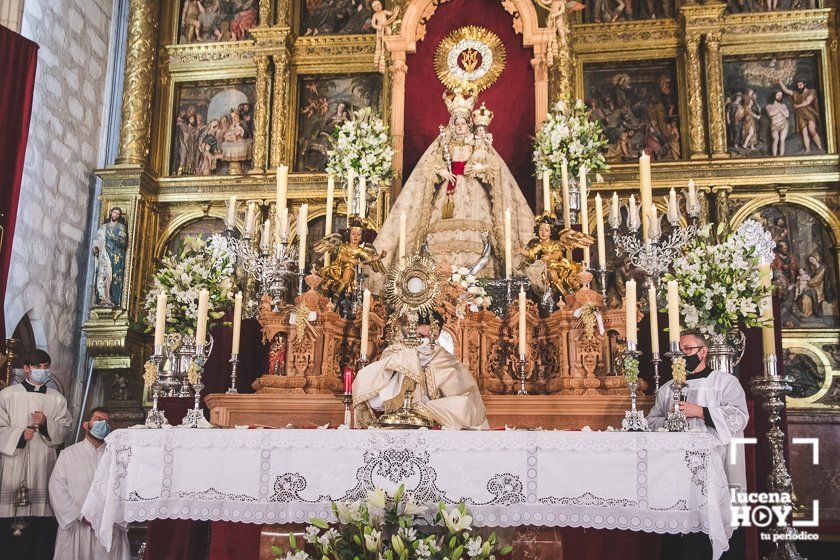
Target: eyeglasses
[(688, 349)]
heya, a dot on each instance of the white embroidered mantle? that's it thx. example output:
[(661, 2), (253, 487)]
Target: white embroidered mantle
[(655, 482)]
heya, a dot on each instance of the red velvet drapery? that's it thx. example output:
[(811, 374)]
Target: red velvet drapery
[(511, 98), (18, 57)]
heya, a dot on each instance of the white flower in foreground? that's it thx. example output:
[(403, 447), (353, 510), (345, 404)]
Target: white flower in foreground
[(299, 555), (455, 521), (311, 535), (373, 540), (474, 547), (413, 508), (376, 498)]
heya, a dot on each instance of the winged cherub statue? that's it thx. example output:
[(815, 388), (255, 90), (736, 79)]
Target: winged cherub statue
[(347, 254), (548, 249)]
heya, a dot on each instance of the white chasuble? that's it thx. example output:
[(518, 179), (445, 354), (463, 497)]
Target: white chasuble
[(69, 485), (34, 462), (445, 391), (722, 395)]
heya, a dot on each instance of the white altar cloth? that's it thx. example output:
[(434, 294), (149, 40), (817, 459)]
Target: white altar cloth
[(656, 482)]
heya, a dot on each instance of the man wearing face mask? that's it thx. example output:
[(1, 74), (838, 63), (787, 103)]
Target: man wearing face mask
[(69, 484), (715, 403), (33, 422)]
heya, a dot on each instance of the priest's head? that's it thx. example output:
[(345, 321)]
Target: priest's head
[(97, 423), (694, 349), (36, 365)]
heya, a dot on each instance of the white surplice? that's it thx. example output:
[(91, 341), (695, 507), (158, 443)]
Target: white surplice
[(35, 461), (69, 485), (721, 393)]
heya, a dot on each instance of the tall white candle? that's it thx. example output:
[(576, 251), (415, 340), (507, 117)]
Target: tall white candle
[(303, 231), (365, 322), (654, 220), (615, 212), (350, 195), (282, 186), (328, 224), (160, 319), (584, 212), (654, 319), (564, 178), (673, 311), (692, 194), (646, 191), (546, 177), (523, 329), (237, 323), (230, 222), (265, 238), (630, 310), (673, 207), (768, 335), (251, 218), (508, 246), (631, 212), (201, 326), (599, 230), (284, 224), (362, 196), (403, 224)]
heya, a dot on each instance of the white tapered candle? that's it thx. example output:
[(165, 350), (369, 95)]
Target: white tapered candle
[(564, 178), (508, 246), (303, 231), (365, 322), (654, 319), (201, 326), (160, 319), (673, 311), (630, 310), (646, 191), (282, 186), (523, 335), (237, 323), (362, 196), (599, 230), (546, 178), (328, 224), (584, 212), (230, 222)]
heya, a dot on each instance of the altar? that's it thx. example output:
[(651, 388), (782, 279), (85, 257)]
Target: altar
[(649, 482)]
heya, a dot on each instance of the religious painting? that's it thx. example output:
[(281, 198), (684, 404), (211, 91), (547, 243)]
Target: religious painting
[(213, 129), (774, 105), (754, 6), (109, 246), (638, 106), (804, 268), (213, 21), (203, 228), (609, 11), (807, 377), (325, 102), (336, 17)]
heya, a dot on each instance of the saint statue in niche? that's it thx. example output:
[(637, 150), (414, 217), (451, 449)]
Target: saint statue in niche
[(459, 190), (109, 245)]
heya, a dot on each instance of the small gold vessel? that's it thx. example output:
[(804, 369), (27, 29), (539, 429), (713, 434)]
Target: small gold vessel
[(404, 419)]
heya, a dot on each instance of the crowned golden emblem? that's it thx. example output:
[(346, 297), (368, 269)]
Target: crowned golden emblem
[(469, 59)]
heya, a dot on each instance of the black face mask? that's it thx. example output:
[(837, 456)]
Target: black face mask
[(691, 363)]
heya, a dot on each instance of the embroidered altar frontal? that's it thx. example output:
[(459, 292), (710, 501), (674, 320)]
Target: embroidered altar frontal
[(655, 482)]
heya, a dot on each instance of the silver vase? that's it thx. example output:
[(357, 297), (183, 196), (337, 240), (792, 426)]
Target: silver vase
[(179, 354), (725, 351)]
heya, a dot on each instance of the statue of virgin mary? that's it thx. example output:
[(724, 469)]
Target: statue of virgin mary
[(457, 195)]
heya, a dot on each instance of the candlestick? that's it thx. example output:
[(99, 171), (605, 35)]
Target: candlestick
[(599, 230), (155, 418), (302, 230), (201, 326), (692, 194), (632, 215), (362, 196), (653, 310), (403, 224), (584, 213), (634, 419), (365, 323), (523, 336), (615, 213), (673, 312), (265, 238), (630, 311), (350, 194), (546, 176), (282, 230), (282, 186), (250, 219), (654, 228), (768, 335), (673, 207), (567, 211), (508, 246), (646, 191), (160, 319), (230, 221), (234, 365)]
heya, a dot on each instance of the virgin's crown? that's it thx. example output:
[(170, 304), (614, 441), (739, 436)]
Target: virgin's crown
[(482, 116), (459, 106)]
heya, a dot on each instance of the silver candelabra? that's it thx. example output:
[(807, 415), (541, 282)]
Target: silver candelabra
[(634, 419), (676, 420), (273, 267), (155, 418), (195, 417)]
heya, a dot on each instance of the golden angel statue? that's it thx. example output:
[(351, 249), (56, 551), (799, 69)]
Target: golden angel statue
[(347, 254), (382, 20), (548, 251), (458, 191)]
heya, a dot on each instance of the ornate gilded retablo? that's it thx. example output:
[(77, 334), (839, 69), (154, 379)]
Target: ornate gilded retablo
[(470, 59)]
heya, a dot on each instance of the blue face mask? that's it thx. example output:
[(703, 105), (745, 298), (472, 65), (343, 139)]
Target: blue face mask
[(39, 375), (100, 429)]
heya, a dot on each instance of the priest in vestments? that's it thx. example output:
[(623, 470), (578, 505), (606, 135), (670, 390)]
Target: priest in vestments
[(69, 485), (715, 403), (444, 391), (33, 422)]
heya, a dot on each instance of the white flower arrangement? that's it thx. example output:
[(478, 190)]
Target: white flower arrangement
[(362, 145), (475, 296), (198, 265), (718, 283), (387, 527), (568, 133)]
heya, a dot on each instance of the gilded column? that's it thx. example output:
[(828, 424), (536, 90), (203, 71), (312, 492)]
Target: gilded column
[(696, 136), (284, 13), (398, 71), (265, 14), (139, 86), (714, 96), (261, 113), (279, 105), (703, 199)]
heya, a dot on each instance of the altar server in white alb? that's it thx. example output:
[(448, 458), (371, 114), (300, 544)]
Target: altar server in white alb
[(69, 485), (715, 403), (33, 422)]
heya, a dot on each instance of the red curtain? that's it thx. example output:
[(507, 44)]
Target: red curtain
[(18, 57), (511, 98)]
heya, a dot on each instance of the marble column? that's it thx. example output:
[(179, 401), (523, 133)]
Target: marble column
[(714, 96), (696, 133), (263, 98), (280, 108), (139, 84)]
